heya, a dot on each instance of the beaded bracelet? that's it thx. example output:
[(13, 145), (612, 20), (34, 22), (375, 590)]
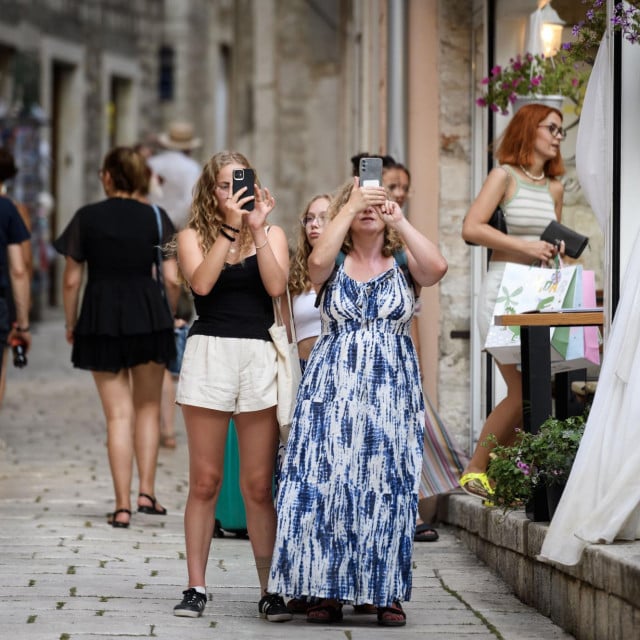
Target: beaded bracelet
[(228, 226), (227, 236)]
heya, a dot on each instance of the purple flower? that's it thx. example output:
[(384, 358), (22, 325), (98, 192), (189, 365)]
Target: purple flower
[(496, 71), (494, 107), (481, 102)]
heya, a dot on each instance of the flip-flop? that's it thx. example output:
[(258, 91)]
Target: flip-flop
[(425, 533), (476, 485)]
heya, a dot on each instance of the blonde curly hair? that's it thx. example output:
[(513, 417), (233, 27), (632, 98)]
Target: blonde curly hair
[(205, 217), (392, 242), (298, 269)]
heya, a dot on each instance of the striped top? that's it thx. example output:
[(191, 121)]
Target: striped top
[(530, 209)]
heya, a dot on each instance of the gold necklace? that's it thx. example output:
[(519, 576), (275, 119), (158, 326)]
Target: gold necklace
[(532, 177)]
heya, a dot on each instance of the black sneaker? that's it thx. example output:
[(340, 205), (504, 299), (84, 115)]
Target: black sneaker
[(273, 608), (192, 604)]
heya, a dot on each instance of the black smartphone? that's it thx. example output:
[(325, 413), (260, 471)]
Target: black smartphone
[(370, 172), (244, 178)]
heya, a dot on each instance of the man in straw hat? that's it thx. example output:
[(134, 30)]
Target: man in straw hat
[(177, 172)]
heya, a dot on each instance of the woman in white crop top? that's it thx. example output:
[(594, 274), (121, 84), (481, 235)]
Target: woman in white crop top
[(527, 188), (306, 317)]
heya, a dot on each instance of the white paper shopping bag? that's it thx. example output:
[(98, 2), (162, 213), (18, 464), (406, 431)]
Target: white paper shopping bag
[(522, 289)]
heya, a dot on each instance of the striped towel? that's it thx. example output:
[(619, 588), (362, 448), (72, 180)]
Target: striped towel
[(443, 460)]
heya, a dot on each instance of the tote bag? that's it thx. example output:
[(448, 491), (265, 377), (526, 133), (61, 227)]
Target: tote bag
[(288, 361), (524, 288)]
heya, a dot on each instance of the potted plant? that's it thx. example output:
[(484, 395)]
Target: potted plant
[(532, 76), (535, 461), (588, 33)]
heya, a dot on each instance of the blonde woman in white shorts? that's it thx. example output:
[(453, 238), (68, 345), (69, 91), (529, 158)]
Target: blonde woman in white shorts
[(234, 264)]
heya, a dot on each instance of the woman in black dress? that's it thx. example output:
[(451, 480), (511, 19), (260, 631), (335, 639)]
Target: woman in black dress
[(124, 332)]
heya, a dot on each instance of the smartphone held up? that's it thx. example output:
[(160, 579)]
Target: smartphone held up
[(244, 178), (370, 172)]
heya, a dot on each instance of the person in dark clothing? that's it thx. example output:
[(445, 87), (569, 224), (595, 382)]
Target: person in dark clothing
[(14, 273), (124, 331)]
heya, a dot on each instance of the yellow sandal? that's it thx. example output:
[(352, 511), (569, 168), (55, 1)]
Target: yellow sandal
[(476, 485)]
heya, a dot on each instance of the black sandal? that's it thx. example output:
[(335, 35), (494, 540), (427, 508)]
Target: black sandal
[(392, 616), (152, 510), (425, 533), (115, 523)]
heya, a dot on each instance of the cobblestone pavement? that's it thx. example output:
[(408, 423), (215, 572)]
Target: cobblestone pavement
[(65, 574)]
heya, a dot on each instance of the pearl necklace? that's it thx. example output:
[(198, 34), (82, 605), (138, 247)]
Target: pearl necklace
[(530, 176)]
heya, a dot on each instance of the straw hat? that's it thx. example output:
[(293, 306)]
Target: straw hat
[(180, 137)]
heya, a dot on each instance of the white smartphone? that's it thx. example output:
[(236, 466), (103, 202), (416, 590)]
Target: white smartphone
[(370, 172)]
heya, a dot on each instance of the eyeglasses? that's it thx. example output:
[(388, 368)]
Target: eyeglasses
[(555, 130), (320, 220)]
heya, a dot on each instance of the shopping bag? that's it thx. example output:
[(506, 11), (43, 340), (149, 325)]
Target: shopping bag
[(570, 342), (592, 337), (524, 288), (288, 369)]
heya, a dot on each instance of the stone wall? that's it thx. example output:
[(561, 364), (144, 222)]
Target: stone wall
[(455, 165)]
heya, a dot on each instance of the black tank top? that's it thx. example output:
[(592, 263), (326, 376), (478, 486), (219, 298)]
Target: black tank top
[(238, 306)]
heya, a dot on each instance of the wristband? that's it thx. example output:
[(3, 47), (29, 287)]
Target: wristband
[(228, 226), (264, 244), (227, 236)]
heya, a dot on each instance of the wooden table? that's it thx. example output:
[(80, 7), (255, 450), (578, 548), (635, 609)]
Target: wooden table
[(535, 350)]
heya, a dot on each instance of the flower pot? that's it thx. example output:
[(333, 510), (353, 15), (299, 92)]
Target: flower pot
[(554, 493), (549, 101)]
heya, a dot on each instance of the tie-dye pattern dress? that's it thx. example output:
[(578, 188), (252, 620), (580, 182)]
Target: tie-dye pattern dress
[(347, 498)]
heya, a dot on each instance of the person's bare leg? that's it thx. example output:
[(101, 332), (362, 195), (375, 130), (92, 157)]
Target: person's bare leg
[(502, 422), (206, 436), (258, 443), (115, 394), (146, 381), (168, 412)]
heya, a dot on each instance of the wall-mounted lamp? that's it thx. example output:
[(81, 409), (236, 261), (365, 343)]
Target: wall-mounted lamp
[(551, 30)]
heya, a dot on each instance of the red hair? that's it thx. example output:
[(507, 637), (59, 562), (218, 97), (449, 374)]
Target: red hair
[(516, 144)]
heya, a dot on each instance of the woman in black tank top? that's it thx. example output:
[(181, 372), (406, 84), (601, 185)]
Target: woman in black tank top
[(234, 264)]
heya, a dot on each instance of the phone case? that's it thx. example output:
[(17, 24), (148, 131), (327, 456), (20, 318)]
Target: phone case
[(370, 172), (244, 178)]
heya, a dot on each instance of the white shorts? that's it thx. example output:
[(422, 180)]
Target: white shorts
[(487, 297), (228, 374)]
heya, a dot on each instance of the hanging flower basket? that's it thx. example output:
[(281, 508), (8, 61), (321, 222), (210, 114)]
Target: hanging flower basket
[(532, 77)]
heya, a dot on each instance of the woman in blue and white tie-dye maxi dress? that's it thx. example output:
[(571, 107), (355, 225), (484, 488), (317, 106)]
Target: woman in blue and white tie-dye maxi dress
[(348, 494)]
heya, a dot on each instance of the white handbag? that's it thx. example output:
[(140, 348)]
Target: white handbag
[(289, 373)]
